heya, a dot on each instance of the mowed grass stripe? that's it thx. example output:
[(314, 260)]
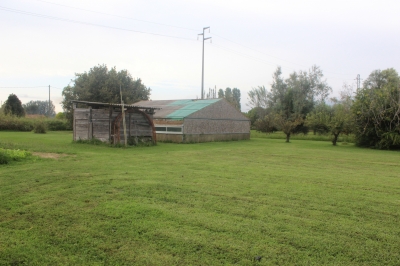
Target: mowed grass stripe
[(301, 203)]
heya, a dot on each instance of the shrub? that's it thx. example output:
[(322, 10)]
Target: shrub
[(40, 127), (7, 155), (10, 122), (60, 116), (58, 124)]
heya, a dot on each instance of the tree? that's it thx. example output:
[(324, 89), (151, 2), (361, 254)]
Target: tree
[(236, 98), (258, 97), (377, 110), (221, 93), (317, 120), (39, 108), (13, 106), (255, 114), (335, 119), (292, 99), (103, 85)]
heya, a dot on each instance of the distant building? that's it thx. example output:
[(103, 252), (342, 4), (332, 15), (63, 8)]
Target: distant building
[(186, 121)]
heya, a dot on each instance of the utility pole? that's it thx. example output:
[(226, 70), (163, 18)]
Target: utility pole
[(123, 116), (202, 69), (358, 81), (49, 101)]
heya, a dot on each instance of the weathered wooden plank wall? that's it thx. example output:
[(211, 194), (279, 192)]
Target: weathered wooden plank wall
[(97, 123)]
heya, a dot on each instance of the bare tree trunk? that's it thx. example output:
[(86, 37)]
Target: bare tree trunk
[(335, 137), (287, 137)]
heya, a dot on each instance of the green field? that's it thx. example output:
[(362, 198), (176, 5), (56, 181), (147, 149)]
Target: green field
[(224, 203)]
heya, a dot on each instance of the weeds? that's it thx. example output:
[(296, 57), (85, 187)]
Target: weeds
[(7, 155)]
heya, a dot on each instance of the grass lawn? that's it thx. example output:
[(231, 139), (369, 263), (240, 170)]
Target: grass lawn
[(223, 203)]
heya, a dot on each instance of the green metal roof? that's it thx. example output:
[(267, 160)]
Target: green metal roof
[(188, 107)]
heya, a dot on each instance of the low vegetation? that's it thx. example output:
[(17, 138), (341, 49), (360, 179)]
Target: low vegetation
[(7, 155), (256, 202), (10, 122)]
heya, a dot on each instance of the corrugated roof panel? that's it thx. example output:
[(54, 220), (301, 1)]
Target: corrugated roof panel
[(188, 107)]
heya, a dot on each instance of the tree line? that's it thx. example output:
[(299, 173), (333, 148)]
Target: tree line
[(13, 106), (300, 103)]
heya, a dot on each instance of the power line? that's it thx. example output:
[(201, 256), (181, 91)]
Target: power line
[(20, 87), (86, 23), (167, 25), (117, 16)]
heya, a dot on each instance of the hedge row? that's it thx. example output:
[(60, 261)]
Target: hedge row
[(27, 124)]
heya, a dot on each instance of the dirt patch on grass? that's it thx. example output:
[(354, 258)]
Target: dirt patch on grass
[(49, 155)]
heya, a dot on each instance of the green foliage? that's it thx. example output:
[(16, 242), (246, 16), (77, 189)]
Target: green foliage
[(318, 119), (101, 84), (221, 93), (254, 114), (58, 124), (39, 108), (13, 106), (7, 155), (376, 110), (291, 99), (265, 124), (60, 116), (14, 123), (40, 126)]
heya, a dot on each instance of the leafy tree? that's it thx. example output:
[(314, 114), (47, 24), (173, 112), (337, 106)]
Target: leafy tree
[(335, 119), (221, 93), (13, 106), (60, 116), (266, 124), (292, 99), (377, 110), (255, 114), (101, 84), (341, 121), (318, 119), (236, 98), (258, 97), (39, 108)]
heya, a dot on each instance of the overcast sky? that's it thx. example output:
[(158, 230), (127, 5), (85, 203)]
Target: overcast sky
[(46, 42)]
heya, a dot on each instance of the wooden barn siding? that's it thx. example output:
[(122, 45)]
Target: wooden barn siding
[(99, 127)]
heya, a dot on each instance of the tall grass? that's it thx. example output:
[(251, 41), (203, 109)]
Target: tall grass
[(13, 123)]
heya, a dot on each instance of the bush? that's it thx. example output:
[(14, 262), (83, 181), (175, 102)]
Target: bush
[(40, 127), (10, 122), (7, 155), (60, 116), (58, 124)]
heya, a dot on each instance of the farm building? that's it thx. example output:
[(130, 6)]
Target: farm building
[(186, 121), (104, 121)]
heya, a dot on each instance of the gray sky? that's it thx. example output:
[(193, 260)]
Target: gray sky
[(46, 42)]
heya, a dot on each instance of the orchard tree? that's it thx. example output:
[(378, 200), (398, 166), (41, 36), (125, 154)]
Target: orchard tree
[(101, 84), (13, 106), (291, 99), (39, 108), (377, 110), (336, 119)]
